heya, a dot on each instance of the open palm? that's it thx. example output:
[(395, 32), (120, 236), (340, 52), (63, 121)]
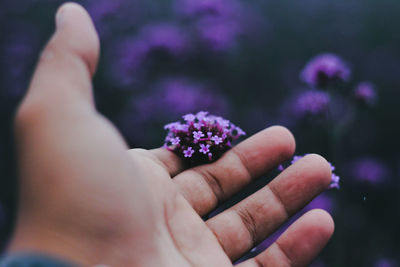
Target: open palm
[(85, 197)]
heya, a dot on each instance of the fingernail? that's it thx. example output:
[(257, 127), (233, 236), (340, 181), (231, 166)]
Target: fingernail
[(60, 16)]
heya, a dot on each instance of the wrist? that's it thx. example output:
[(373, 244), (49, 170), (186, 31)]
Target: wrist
[(47, 240)]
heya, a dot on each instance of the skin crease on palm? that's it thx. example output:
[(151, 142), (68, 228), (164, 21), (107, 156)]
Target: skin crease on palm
[(86, 198)]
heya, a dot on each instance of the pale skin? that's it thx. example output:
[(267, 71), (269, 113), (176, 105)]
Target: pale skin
[(86, 198)]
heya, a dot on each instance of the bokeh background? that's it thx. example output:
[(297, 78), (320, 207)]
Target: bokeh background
[(328, 70)]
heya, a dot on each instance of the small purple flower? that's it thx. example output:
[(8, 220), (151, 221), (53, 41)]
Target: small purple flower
[(324, 69), (188, 152), (217, 140), (204, 148), (335, 180), (175, 141), (189, 117), (197, 134), (370, 170), (365, 93), (311, 103), (193, 143)]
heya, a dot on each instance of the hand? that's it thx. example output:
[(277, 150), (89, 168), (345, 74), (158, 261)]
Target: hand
[(86, 198)]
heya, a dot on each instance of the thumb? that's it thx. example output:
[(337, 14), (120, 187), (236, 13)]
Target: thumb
[(68, 62)]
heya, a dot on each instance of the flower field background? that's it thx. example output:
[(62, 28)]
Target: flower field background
[(328, 70)]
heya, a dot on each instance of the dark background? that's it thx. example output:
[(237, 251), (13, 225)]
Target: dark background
[(251, 78)]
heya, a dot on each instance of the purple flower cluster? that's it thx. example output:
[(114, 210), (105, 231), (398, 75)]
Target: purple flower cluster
[(365, 93), (325, 69), (335, 180), (312, 103), (201, 138)]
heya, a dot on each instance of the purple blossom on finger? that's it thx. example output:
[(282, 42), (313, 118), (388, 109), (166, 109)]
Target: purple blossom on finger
[(187, 153), (196, 147), (175, 141), (325, 69), (335, 182), (204, 148), (197, 134), (335, 179), (365, 93), (217, 140)]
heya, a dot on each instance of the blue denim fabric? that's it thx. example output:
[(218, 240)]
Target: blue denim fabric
[(33, 260)]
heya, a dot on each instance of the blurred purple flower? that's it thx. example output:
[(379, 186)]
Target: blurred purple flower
[(116, 17), (166, 37), (370, 170), (101, 11), (130, 56), (365, 93), (218, 23), (127, 58), (311, 103), (324, 69), (169, 99), (200, 7), (218, 33), (208, 7), (384, 262)]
